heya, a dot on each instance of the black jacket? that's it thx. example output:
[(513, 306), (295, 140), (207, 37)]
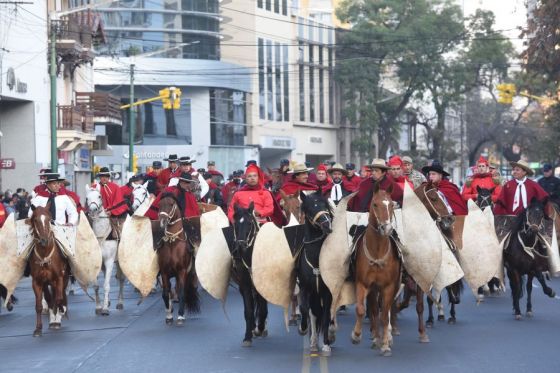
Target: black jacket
[(552, 186)]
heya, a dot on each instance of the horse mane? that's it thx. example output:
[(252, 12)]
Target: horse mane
[(174, 198), (521, 218), (318, 195)]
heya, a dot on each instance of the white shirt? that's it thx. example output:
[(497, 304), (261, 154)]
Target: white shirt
[(64, 207)]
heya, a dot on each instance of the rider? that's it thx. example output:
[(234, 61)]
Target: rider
[(550, 183), (185, 198), (298, 182), (338, 187), (517, 193), (171, 171), (62, 209), (397, 166), (449, 192), (128, 188), (152, 176), (113, 200), (361, 201), (266, 208), (411, 174), (322, 180), (351, 181), (43, 173), (214, 195), (231, 187), (483, 178)]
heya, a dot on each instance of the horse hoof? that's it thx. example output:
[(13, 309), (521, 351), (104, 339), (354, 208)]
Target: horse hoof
[(314, 347), (326, 350), (105, 312), (292, 322), (551, 293), (301, 331), (429, 324), (451, 321), (169, 321), (180, 321), (424, 339), (395, 332), (441, 318), (518, 317), (10, 307), (264, 333), (529, 314), (356, 339), (37, 333), (54, 326), (71, 292), (247, 343), (386, 352), (331, 338), (120, 306)]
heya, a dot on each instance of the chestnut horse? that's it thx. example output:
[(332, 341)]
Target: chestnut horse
[(378, 270), (176, 259), (428, 194), (50, 270)]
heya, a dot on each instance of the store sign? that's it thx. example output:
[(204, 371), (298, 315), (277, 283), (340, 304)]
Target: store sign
[(84, 159), (277, 142), (7, 163), (13, 82), (315, 139)]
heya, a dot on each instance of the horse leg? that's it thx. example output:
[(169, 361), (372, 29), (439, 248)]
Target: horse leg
[(546, 289), (49, 295), (97, 299), (420, 312), (374, 313), (313, 340), (441, 311), (361, 293), (388, 295), (430, 321), (529, 292), (59, 291), (304, 311), (515, 284), (181, 282), (249, 313), (120, 277), (109, 264), (394, 324), (262, 314), (166, 285), (38, 290)]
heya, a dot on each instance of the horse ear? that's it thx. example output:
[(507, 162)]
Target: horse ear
[(236, 208), (478, 189), (302, 195), (251, 207), (492, 190), (98, 187), (534, 200), (390, 188), (33, 207), (375, 187), (320, 191), (145, 185)]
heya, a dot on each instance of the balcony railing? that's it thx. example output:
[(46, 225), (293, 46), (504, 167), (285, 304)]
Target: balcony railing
[(75, 118), (104, 106)]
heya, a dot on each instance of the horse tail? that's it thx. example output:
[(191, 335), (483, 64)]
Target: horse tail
[(192, 298)]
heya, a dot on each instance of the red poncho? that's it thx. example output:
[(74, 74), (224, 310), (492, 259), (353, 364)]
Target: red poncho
[(453, 196), (361, 201), (113, 200), (484, 181), (504, 203), (191, 206), (293, 187)]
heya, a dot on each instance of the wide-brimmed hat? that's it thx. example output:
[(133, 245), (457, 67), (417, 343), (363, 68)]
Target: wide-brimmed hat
[(524, 165), (378, 163), (299, 168), (436, 167), (185, 176), (46, 171), (211, 163), (157, 165), (337, 167), (350, 166), (104, 171), (250, 162), (171, 158), (407, 159), (186, 160), (53, 177)]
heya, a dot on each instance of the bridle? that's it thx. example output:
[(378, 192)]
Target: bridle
[(172, 236), (439, 217), (379, 228), (252, 235), (43, 261), (98, 208), (144, 194), (484, 201)]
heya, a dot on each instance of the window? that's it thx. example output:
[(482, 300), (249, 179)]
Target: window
[(285, 7), (227, 117), (268, 5), (321, 87), (311, 85), (286, 84), (278, 81), (277, 6), (301, 93), (260, 3), (270, 115), (261, 79), (331, 87)]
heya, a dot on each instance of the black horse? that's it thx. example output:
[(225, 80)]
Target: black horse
[(315, 296), (484, 197), (244, 232), (454, 296), (3, 295), (525, 254)]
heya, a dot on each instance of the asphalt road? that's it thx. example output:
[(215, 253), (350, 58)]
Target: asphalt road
[(486, 338)]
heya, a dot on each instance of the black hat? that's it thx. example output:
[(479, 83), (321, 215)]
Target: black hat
[(207, 175), (157, 164), (436, 167), (185, 176), (250, 162), (186, 160), (350, 166), (171, 158), (201, 170), (53, 177), (104, 171), (136, 177), (284, 162), (211, 163), (237, 173), (46, 171)]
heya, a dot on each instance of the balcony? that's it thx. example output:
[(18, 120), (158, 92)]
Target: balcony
[(75, 127), (105, 107)]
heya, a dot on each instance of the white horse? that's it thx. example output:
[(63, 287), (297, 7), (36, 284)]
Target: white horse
[(140, 195), (102, 228)]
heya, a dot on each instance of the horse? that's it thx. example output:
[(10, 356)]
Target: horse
[(139, 195), (484, 197), (525, 254), (378, 271), (3, 295), (50, 270), (176, 259), (291, 205), (101, 226), (315, 296), (245, 229)]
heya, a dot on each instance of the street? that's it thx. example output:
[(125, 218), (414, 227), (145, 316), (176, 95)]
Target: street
[(486, 338)]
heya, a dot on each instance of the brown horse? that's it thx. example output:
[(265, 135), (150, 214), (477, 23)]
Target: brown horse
[(291, 205), (175, 259), (378, 270), (451, 228), (50, 270)]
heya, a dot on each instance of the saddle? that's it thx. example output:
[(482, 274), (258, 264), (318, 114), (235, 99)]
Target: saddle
[(116, 227)]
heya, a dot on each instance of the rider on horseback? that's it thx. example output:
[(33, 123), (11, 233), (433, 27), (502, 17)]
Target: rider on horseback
[(361, 201), (449, 191), (62, 209), (483, 178), (113, 200)]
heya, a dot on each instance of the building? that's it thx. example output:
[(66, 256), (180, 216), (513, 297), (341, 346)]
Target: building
[(172, 43), (291, 112)]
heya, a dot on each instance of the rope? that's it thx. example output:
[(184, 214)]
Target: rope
[(372, 261)]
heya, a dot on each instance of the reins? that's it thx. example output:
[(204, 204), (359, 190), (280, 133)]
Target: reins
[(173, 236)]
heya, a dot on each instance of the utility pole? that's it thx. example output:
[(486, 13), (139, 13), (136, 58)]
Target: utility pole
[(131, 122), (52, 75)]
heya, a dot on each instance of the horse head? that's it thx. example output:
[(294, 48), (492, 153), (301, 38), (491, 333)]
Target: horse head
[(140, 194), (532, 219), (435, 205), (317, 211), (41, 224), (291, 205), (169, 210), (94, 202), (381, 210), (484, 197), (245, 228)]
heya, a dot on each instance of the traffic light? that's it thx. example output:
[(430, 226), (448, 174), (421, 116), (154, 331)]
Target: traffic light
[(165, 95), (506, 91), (176, 97), (134, 164)]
